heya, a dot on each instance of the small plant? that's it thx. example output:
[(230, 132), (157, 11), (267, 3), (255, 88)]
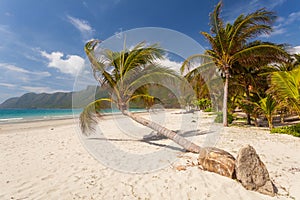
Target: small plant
[(219, 118), (290, 130), (203, 104), (209, 109)]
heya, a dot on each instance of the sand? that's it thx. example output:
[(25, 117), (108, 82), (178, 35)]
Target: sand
[(49, 160)]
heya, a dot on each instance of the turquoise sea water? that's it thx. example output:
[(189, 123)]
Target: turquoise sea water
[(16, 115), (21, 115)]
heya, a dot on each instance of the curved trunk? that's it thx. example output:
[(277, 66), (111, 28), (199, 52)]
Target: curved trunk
[(225, 122), (186, 144), (210, 158)]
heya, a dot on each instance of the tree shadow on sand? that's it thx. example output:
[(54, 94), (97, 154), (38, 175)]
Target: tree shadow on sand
[(153, 136)]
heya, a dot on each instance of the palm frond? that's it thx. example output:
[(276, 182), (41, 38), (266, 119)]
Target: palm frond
[(153, 74), (90, 112), (195, 61), (260, 53), (286, 87), (250, 26), (213, 42), (216, 24), (98, 66), (141, 55)]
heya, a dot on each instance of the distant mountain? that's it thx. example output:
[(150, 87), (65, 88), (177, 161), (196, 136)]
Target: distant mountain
[(56, 100), (82, 98)]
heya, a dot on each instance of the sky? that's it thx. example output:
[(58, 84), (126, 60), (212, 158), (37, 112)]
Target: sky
[(41, 41)]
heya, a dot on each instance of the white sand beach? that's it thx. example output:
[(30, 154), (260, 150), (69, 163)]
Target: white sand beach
[(47, 160)]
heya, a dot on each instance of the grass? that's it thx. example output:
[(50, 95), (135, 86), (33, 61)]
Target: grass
[(290, 130)]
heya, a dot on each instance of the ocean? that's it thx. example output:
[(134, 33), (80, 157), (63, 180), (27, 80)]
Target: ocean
[(21, 115), (24, 115)]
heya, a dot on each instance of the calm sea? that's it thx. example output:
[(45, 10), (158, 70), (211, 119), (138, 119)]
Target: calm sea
[(21, 115), (18, 115)]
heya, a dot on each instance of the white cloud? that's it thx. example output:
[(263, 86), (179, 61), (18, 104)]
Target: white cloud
[(41, 89), (82, 25), (294, 50), (231, 12), (16, 69), (295, 16), (166, 62), (13, 68), (269, 4), (71, 65), (5, 29), (277, 30), (281, 28), (8, 14), (7, 85)]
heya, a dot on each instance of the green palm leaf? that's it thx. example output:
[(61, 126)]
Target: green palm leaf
[(286, 86), (88, 117)]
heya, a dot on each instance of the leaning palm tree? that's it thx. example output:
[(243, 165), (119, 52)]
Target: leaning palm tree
[(230, 44), (128, 74)]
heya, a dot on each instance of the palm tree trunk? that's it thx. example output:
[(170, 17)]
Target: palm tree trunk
[(210, 158), (186, 144), (225, 122), (255, 122), (248, 99), (270, 121)]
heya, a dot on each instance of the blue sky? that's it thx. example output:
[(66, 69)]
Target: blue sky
[(41, 41)]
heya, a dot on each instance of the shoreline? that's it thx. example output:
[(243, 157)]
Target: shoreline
[(106, 115), (74, 114)]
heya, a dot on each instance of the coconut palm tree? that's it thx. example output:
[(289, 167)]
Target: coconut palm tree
[(267, 106), (126, 73), (230, 44), (129, 73)]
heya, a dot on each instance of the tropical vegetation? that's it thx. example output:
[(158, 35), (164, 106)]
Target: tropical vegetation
[(260, 78), (233, 50)]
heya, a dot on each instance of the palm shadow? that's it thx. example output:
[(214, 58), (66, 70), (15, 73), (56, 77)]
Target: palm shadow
[(153, 136), (140, 140)]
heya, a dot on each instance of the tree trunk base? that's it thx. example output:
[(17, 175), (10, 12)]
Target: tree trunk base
[(217, 161)]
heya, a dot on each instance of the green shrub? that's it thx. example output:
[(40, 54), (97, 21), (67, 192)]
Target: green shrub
[(209, 109), (202, 104), (219, 118), (290, 130)]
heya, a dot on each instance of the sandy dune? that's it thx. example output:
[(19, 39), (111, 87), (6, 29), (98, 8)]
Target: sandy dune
[(47, 160)]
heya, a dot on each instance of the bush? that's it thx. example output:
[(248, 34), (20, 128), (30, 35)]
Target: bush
[(219, 118), (290, 130), (209, 109), (202, 104)]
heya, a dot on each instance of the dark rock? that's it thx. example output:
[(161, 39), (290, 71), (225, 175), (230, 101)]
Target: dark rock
[(217, 161), (252, 172)]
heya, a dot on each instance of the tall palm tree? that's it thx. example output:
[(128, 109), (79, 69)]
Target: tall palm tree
[(126, 73), (230, 44)]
